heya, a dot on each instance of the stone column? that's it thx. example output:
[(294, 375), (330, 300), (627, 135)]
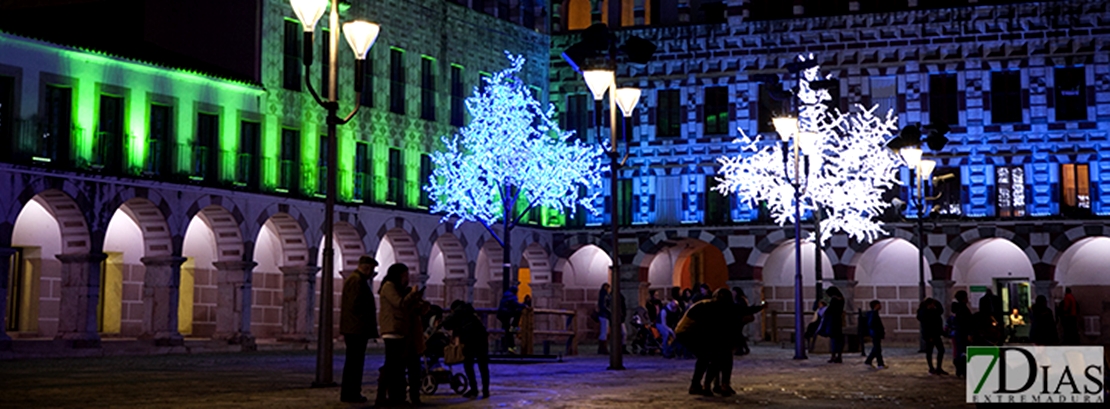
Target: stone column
[(233, 302), (161, 284), (942, 291), (458, 288), (630, 288), (298, 303), (1045, 288), (5, 268), (77, 323)]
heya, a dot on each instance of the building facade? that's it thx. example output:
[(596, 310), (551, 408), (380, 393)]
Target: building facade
[(1022, 183)]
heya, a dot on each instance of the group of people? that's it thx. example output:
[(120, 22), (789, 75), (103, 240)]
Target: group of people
[(707, 326), (400, 323)]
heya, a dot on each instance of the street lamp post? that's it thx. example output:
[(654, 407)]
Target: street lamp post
[(360, 36), (787, 129), (920, 170), (599, 82)]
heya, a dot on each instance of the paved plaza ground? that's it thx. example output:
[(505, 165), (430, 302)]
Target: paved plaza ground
[(766, 378)]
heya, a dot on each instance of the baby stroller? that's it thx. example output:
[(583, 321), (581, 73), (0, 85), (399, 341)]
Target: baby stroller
[(436, 373), (646, 339)]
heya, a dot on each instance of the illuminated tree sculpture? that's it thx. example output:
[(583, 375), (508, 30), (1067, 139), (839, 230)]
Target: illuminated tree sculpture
[(848, 170), (512, 152)]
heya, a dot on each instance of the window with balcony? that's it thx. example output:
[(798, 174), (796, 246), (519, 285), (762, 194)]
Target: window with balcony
[(8, 142), (322, 166), (1071, 94), (160, 140), (362, 172), (108, 145), (291, 57), (250, 154), (1010, 183), (624, 214), (576, 117), (325, 61), (717, 209), (1075, 184), (366, 98), (395, 194), (427, 89), (1006, 98), (206, 148), (289, 166), (397, 81), (716, 110), (425, 177), (943, 100), (884, 93), (458, 96), (51, 144), (668, 109)]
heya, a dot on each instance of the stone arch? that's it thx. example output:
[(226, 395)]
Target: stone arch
[(539, 263), (293, 246), (658, 241), (448, 278), (291, 220), (1084, 263), (226, 229), (282, 255), (232, 216), (488, 272), (965, 239), (157, 239), (1064, 241), (571, 243), (398, 246), (349, 244), (71, 201), (856, 249), (766, 245), (71, 220)]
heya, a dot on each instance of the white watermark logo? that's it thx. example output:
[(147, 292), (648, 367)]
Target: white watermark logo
[(1035, 375)]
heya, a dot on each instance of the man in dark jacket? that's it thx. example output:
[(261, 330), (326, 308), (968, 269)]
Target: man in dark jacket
[(930, 315), (508, 312), (468, 328), (962, 332), (358, 322), (877, 332)]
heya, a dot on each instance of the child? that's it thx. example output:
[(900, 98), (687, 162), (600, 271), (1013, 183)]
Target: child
[(875, 325)]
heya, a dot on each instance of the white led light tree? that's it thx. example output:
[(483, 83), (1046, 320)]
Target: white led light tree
[(849, 168), (511, 152)]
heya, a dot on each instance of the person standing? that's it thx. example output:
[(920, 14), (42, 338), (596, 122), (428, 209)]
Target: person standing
[(1069, 319), (877, 332), (668, 316), (603, 317), (465, 325), (705, 330), (832, 324), (358, 322), (508, 312), (930, 316), (396, 298), (1042, 331), (962, 329)]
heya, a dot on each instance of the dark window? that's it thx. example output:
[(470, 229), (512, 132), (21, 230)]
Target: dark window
[(362, 171), (427, 89), (1075, 185), (772, 104), (366, 98), (396, 174), (577, 116), (17, 290), (325, 66), (716, 110), (397, 81), (717, 210), (8, 143), (322, 166), (528, 14), (206, 148), (1005, 97), (425, 179), (160, 142), (713, 12), (1071, 94), (291, 70), (249, 153), (482, 78), (51, 144), (943, 100), (108, 151), (667, 113), (289, 168), (624, 211), (458, 108)]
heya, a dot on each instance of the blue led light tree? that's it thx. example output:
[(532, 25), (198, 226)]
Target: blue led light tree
[(512, 151)]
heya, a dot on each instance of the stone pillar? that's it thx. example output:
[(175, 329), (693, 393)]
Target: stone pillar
[(161, 284), (77, 323), (5, 269), (942, 291), (298, 303), (848, 288), (1045, 288), (459, 288), (233, 302), (630, 288)]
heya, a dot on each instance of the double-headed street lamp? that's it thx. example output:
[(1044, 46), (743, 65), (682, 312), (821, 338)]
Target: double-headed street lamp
[(360, 36), (921, 170), (599, 82), (804, 144)]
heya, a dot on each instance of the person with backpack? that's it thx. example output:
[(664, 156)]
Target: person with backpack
[(877, 332), (930, 316)]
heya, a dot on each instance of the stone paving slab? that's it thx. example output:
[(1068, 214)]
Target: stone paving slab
[(280, 379)]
